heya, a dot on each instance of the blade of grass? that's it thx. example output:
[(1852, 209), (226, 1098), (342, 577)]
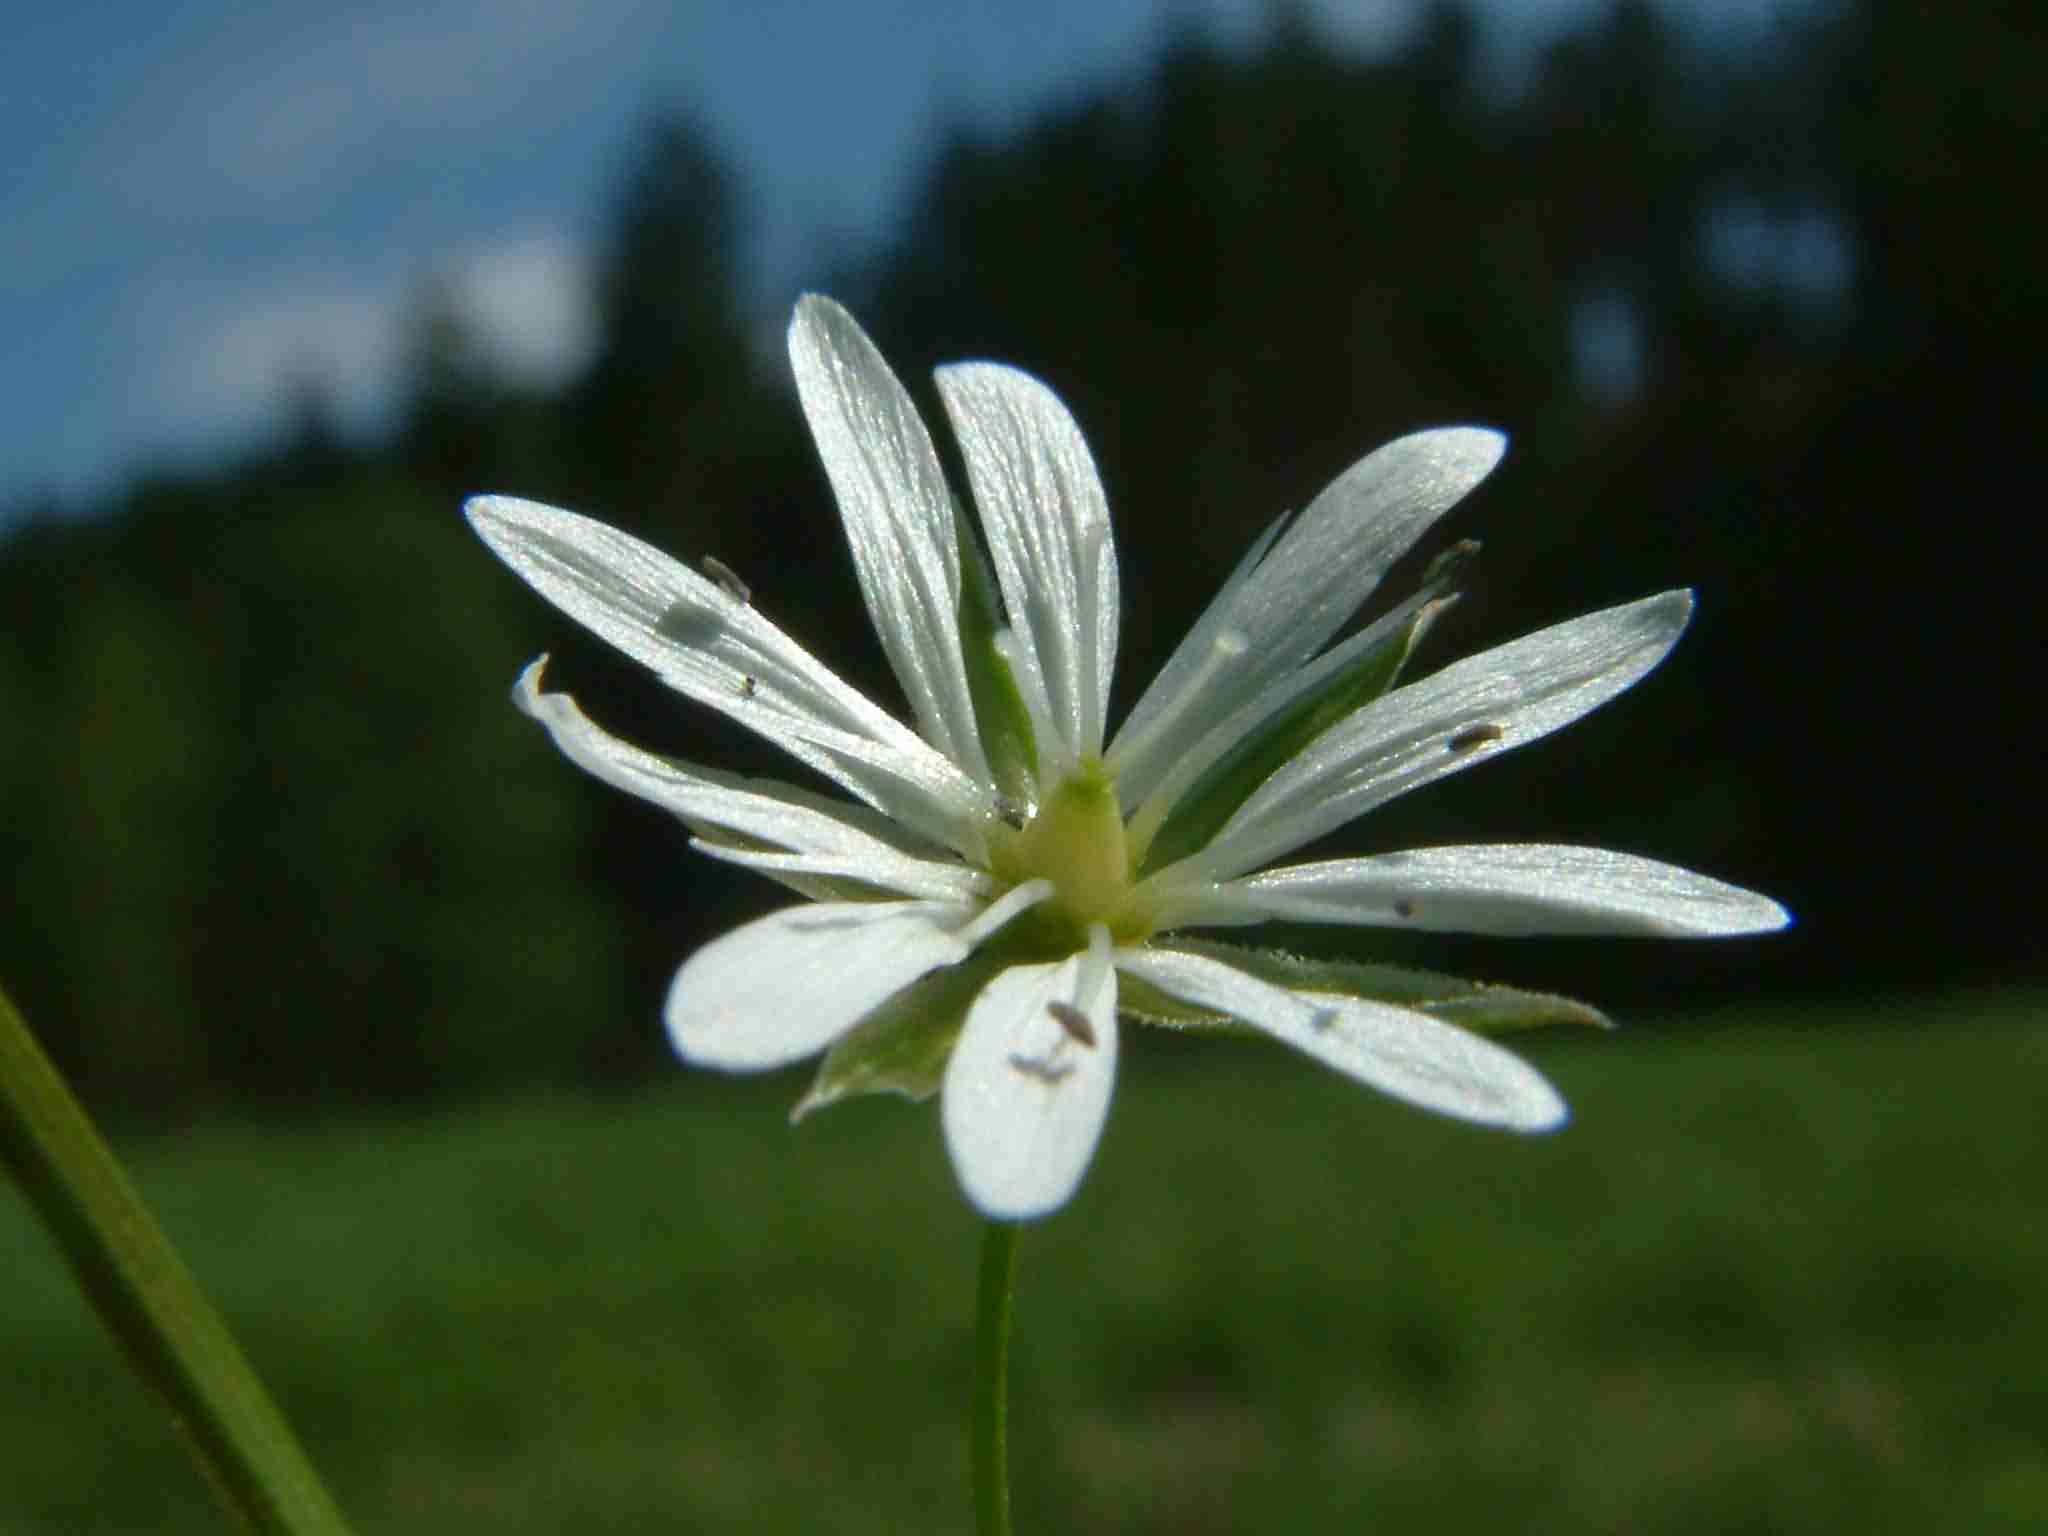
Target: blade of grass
[(146, 1296)]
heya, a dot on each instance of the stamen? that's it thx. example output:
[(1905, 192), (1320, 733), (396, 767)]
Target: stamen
[(1228, 646), (1075, 1026), (1093, 538), (1145, 824), (1073, 1021), (1005, 907), (1095, 964)]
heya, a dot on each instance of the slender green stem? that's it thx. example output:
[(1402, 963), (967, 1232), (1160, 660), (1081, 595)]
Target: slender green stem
[(998, 1293), (149, 1300)]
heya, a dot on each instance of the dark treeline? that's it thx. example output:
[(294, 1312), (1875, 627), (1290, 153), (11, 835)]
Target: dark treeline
[(1765, 323)]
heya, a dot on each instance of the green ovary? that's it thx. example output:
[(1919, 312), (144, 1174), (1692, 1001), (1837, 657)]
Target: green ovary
[(1077, 842)]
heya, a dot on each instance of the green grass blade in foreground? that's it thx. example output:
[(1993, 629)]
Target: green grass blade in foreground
[(144, 1293)]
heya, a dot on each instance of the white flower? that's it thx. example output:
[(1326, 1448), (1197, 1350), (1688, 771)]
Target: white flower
[(1002, 881)]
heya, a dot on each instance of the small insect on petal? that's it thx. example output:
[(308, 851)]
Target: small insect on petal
[(727, 579), (1474, 736), (747, 687), (1073, 1021)]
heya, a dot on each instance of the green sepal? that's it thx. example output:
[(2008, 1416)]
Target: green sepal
[(902, 1046), (1144, 1002), (1479, 1006), (1000, 716), (1200, 813)]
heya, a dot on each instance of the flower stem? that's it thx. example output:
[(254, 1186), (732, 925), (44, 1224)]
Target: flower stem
[(149, 1300), (998, 1293)]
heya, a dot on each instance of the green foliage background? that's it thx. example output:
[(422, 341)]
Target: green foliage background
[(1784, 1275)]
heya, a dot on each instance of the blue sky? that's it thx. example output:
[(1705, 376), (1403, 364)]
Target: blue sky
[(208, 203)]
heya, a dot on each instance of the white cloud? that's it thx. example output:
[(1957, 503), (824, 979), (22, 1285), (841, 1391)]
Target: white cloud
[(214, 205), (233, 368), (530, 306)]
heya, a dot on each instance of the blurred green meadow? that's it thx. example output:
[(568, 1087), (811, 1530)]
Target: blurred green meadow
[(1786, 1272)]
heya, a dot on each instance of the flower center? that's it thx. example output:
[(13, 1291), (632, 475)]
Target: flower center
[(1076, 840)]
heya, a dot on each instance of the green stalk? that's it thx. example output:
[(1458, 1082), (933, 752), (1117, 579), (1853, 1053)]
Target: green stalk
[(998, 1294), (149, 1300)]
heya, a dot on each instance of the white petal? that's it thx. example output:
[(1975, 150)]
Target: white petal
[(1489, 703), (706, 643), (1505, 889), (1410, 1056), (787, 985), (1252, 717), (1047, 522), (1300, 594), (899, 517), (868, 846), (1025, 1100)]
